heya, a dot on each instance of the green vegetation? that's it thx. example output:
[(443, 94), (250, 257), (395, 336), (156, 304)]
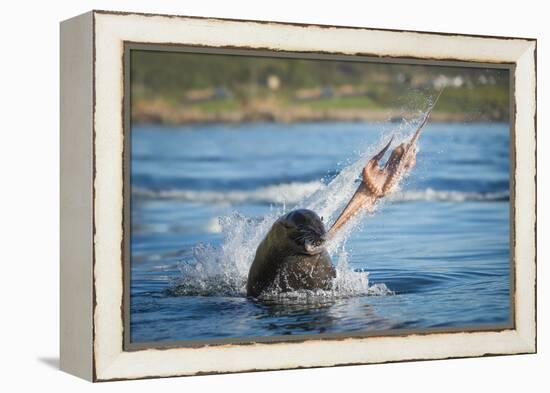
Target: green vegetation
[(216, 106), (176, 87), (344, 103)]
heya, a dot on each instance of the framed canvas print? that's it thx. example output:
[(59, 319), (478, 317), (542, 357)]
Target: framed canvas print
[(245, 195)]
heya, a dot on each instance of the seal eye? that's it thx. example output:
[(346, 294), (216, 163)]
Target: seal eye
[(288, 225)]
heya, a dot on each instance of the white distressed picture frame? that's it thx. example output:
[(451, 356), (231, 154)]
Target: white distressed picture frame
[(92, 211)]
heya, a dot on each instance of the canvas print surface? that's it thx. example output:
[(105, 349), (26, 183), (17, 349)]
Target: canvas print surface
[(275, 197)]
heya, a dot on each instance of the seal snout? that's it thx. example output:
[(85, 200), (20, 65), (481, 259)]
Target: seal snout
[(313, 248)]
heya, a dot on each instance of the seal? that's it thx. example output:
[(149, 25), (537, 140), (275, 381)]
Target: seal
[(292, 256)]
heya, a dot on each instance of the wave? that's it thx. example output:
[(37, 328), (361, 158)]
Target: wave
[(431, 195), (294, 192), (181, 181)]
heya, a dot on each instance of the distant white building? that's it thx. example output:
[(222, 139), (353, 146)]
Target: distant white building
[(445, 81), (273, 82)]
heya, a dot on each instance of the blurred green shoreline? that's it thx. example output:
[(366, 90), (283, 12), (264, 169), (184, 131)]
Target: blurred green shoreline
[(186, 88), (159, 112)]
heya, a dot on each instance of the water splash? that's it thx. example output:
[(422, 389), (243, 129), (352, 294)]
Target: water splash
[(223, 270)]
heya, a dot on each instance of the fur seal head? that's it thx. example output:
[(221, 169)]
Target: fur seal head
[(292, 256), (304, 230)]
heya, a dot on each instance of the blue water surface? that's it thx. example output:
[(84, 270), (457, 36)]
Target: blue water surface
[(442, 248)]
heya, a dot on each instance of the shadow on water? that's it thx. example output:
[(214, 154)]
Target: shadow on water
[(284, 316), (287, 317)]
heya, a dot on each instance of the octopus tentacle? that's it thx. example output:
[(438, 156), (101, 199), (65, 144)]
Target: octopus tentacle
[(378, 181)]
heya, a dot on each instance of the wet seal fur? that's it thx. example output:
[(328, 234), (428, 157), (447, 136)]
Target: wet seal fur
[(292, 256)]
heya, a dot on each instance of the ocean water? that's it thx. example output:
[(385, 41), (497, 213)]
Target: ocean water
[(435, 254)]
